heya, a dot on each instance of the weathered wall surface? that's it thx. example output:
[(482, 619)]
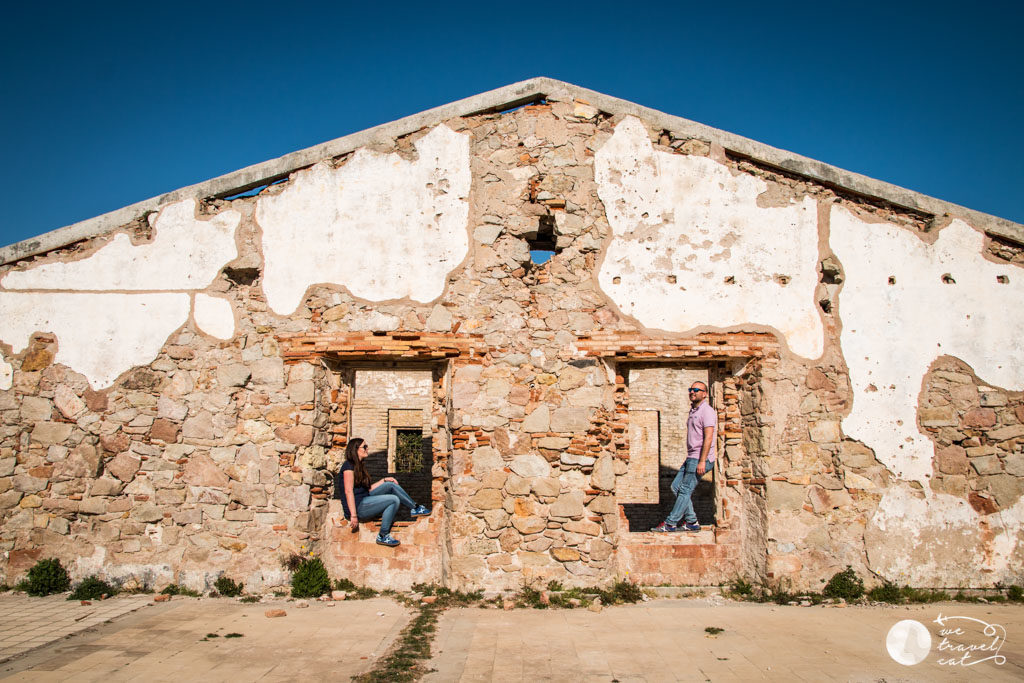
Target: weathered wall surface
[(175, 396)]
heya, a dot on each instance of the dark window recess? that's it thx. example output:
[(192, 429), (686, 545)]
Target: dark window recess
[(542, 245), (408, 451), (416, 484), (645, 516)]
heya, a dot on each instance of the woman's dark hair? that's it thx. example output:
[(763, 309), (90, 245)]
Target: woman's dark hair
[(362, 477)]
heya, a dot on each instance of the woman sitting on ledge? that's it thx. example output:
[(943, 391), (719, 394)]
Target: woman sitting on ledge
[(369, 500)]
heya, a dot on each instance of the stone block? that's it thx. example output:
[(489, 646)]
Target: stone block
[(554, 443), (538, 421), (979, 417), (233, 375), (199, 427), (300, 435), (951, 460), (201, 470), (576, 460), (1004, 433), (530, 466), (583, 527), (784, 496), (67, 402), (487, 499), (123, 466), (249, 496), (992, 398), (106, 486), (571, 419), (496, 518), (1014, 464), (988, 464), (943, 416), (855, 454), (164, 430), (495, 479), (509, 540), (36, 409), (486, 459), (825, 431), (26, 483), (603, 475), (565, 554), (1006, 489), (48, 433), (568, 505), (855, 481), (529, 525), (301, 392), (9, 499), (517, 486), (292, 497), (147, 512)]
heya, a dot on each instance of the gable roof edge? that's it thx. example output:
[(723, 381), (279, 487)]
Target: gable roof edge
[(501, 99)]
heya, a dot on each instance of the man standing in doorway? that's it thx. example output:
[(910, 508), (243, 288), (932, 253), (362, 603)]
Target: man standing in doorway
[(700, 456)]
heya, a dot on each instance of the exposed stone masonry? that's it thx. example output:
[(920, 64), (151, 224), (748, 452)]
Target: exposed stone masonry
[(217, 457)]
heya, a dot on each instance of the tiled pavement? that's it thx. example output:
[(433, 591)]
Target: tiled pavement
[(665, 640), (187, 640), (27, 623), (661, 640)]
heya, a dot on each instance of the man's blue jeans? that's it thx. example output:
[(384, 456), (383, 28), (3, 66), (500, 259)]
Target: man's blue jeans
[(384, 501), (683, 486)]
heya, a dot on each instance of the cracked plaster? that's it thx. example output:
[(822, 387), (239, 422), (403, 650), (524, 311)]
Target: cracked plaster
[(684, 224), (383, 227)]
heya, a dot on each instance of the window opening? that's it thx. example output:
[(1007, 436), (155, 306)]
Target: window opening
[(542, 245)]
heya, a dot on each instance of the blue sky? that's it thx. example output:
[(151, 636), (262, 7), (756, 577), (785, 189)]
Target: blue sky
[(106, 104)]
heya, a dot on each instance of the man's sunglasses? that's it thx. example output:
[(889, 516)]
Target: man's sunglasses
[(694, 391)]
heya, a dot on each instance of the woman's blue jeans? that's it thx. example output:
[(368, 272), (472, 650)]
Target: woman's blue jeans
[(683, 486), (384, 501)]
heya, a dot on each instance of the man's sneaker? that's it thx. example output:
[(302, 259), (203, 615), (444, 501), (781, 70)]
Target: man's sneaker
[(691, 528), (419, 511), (387, 539), (665, 527)]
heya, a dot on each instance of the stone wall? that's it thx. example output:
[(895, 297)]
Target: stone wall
[(182, 426)]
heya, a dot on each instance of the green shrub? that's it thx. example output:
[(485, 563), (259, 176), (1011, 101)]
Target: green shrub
[(887, 592), (1015, 593), (92, 588), (310, 580), (923, 595), (227, 587), (348, 585), (741, 588), (845, 584), (555, 586), (251, 598), (620, 592), (175, 589), (46, 578)]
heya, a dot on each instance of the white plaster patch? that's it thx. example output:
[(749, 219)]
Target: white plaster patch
[(383, 227), (214, 316), (185, 253), (99, 335), (689, 218), (6, 374), (941, 541), (892, 333)]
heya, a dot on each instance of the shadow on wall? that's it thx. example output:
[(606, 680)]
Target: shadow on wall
[(643, 516)]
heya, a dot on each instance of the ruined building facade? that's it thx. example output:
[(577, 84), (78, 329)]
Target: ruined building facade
[(179, 378)]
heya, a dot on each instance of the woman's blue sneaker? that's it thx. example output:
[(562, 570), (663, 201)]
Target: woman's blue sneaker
[(420, 511), (387, 539)]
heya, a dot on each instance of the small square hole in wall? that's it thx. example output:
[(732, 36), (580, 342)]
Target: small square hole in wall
[(542, 245)]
